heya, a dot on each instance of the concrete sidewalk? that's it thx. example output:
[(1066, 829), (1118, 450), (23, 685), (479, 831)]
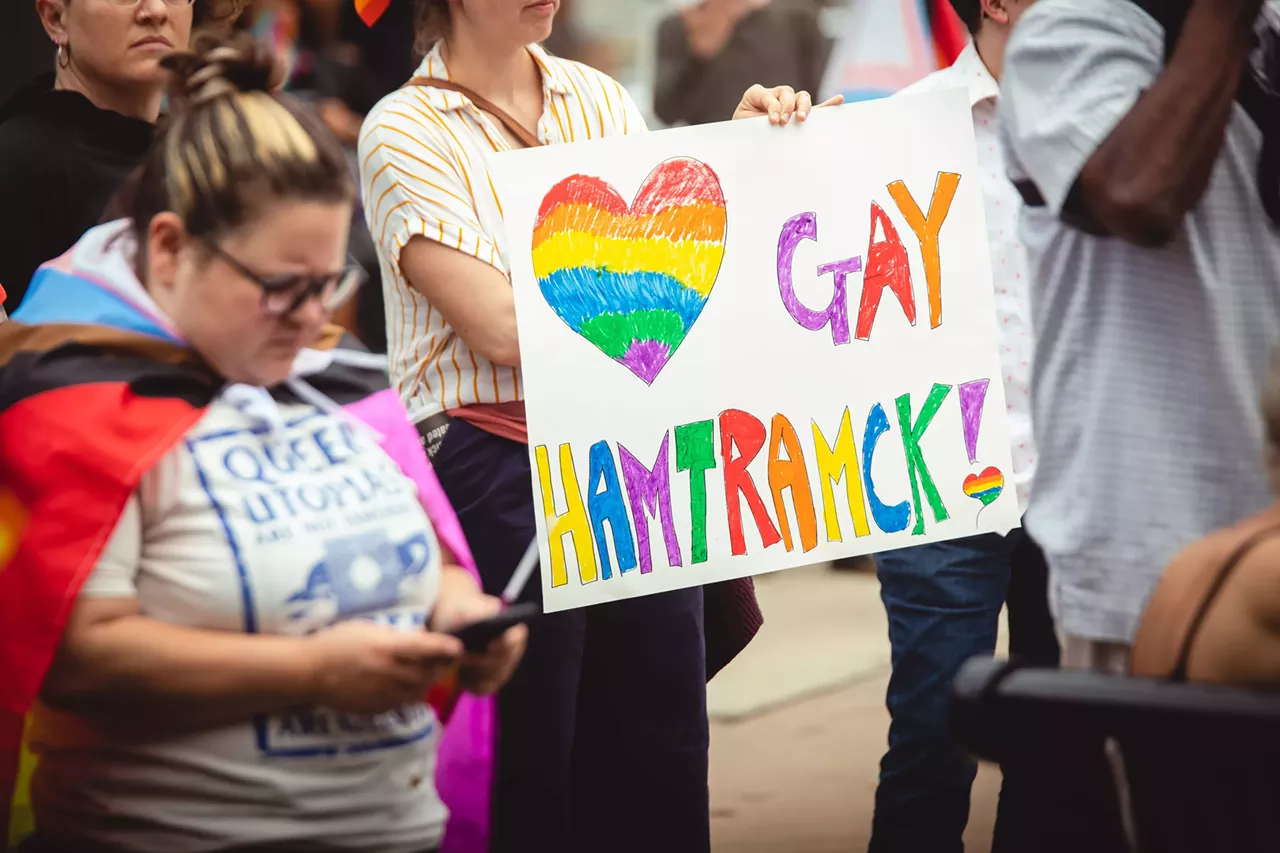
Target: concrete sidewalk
[(794, 761)]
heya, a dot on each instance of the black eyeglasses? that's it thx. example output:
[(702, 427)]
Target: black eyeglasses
[(286, 293)]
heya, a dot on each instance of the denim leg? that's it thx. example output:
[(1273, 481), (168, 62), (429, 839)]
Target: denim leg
[(943, 602)]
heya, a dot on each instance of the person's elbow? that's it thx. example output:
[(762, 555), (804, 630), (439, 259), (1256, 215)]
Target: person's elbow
[(1133, 210), (80, 676), (73, 685), (506, 352), (499, 342)]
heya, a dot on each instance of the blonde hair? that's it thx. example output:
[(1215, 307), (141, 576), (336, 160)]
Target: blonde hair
[(230, 143)]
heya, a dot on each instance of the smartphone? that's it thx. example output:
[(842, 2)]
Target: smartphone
[(477, 636)]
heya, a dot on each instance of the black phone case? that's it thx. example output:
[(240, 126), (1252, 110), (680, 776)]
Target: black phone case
[(477, 636)]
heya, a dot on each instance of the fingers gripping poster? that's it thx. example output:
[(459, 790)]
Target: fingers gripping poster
[(747, 348)]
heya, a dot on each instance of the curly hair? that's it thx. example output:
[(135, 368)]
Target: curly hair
[(430, 24)]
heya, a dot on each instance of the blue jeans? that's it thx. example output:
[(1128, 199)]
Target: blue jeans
[(943, 601)]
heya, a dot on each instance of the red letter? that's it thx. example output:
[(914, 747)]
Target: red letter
[(741, 429), (887, 265), (926, 230)]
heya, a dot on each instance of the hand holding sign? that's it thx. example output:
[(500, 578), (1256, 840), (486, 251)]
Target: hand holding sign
[(779, 103), (816, 354)]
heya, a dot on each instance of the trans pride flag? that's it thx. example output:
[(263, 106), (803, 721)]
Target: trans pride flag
[(889, 44), (632, 278)]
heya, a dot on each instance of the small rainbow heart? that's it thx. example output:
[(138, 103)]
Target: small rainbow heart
[(632, 278), (985, 487)]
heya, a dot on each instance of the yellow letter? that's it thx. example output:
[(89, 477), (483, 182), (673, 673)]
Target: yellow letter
[(573, 522), (842, 461), (926, 231)]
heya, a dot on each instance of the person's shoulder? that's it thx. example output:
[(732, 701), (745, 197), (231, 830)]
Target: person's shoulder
[(394, 103), (406, 119), (1072, 24), (1190, 576)]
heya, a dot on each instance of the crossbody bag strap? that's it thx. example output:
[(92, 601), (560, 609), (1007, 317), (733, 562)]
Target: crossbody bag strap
[(1211, 595), (519, 131)]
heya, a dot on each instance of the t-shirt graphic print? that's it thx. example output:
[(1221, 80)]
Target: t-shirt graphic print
[(282, 528)]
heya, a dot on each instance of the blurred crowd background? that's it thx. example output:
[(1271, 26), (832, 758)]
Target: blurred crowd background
[(684, 61)]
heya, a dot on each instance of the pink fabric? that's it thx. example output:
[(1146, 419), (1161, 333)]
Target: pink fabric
[(464, 762)]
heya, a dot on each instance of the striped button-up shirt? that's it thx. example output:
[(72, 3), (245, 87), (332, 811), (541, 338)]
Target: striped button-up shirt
[(424, 164)]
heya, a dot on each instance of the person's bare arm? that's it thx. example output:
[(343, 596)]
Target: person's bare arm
[(474, 297), (1156, 164), (130, 675)]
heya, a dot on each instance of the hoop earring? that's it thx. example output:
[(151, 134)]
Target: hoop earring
[(64, 55)]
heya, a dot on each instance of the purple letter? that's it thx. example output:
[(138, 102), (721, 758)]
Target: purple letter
[(804, 226), (650, 492)]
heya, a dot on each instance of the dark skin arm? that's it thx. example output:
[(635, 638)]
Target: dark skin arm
[(1154, 167)]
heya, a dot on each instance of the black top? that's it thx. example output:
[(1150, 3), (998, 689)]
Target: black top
[(61, 160)]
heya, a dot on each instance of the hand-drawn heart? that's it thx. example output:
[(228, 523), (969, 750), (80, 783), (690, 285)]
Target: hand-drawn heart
[(985, 487), (632, 279)]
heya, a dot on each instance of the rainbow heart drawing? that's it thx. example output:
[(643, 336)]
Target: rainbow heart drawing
[(632, 278), (985, 487)]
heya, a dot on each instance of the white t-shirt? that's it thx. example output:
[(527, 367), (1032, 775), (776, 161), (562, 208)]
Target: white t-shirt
[(271, 530)]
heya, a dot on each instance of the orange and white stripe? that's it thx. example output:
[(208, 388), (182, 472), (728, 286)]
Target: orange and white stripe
[(424, 157)]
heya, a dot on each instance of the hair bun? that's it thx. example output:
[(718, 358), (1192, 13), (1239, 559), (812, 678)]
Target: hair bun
[(217, 66), (219, 13)]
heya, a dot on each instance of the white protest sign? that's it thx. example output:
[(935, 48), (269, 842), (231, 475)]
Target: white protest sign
[(747, 348)]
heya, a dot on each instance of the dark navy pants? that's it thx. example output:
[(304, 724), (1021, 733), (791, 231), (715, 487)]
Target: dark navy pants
[(603, 729), (943, 601)]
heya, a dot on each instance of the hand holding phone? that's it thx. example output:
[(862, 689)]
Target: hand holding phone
[(477, 636)]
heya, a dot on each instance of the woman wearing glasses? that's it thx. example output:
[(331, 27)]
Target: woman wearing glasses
[(246, 660), (68, 140)]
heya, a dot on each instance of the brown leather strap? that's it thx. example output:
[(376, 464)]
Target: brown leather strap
[(517, 130)]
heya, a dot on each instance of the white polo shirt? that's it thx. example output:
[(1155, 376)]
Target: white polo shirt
[(424, 156), (1149, 362)]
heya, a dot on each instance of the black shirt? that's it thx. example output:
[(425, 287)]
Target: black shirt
[(61, 160)]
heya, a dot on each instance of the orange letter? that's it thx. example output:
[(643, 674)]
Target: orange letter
[(926, 231), (791, 473)]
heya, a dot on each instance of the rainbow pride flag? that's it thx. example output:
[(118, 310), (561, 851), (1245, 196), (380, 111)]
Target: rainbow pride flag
[(632, 279)]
